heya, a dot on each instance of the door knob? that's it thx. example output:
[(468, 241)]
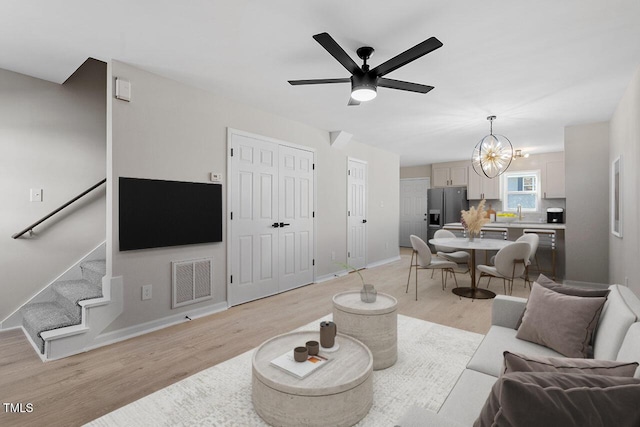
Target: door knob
[(282, 224), (364, 221), (275, 225)]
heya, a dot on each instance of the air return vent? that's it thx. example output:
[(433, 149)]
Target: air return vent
[(191, 281)]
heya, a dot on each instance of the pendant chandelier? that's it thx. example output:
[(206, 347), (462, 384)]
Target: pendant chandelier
[(492, 155)]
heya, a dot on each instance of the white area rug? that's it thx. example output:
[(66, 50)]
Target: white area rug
[(430, 359)]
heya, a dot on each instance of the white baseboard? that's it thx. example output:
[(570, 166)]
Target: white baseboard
[(144, 328), (331, 276), (341, 273), (384, 261)]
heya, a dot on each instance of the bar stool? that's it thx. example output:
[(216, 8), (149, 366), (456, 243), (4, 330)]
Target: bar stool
[(493, 233), (458, 230), (547, 241)]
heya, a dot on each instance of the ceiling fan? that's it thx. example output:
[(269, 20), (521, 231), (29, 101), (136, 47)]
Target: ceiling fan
[(365, 81)]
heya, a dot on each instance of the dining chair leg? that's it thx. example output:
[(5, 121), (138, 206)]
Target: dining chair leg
[(416, 277), (410, 267), (454, 277)]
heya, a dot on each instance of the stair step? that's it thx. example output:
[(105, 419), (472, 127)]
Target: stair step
[(45, 316), (94, 271), (70, 292)]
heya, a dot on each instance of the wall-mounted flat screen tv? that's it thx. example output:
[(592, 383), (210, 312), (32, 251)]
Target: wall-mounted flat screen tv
[(155, 213)]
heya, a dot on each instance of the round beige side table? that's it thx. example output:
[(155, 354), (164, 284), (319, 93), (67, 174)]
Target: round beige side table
[(375, 324), (339, 393)]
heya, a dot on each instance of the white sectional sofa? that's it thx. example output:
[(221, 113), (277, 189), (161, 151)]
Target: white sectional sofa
[(617, 337)]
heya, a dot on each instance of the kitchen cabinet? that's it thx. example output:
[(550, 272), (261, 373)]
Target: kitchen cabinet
[(553, 180), (481, 187), (455, 176)]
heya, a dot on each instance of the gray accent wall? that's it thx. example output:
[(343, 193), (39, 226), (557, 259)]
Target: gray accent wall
[(587, 216), (52, 137), (624, 136), (176, 132)]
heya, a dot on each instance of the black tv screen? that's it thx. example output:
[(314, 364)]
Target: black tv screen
[(156, 213)]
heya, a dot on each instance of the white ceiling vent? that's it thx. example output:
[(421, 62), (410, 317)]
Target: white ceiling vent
[(191, 281)]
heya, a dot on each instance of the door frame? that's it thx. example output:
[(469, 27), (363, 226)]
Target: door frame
[(229, 223), (366, 208)]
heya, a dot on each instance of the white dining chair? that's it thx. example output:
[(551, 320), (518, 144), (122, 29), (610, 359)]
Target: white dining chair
[(461, 258), (532, 240), (510, 262), (425, 260)]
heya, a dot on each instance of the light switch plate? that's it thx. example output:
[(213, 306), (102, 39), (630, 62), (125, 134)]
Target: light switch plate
[(36, 195), (216, 177), (123, 89)]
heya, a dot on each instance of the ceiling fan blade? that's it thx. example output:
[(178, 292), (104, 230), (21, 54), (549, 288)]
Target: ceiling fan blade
[(318, 81), (353, 102), (327, 42), (407, 56), (402, 85)]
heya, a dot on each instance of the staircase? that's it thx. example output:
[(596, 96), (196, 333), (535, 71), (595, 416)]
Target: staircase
[(70, 313), (63, 309)]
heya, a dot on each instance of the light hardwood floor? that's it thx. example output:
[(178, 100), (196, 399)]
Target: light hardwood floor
[(78, 389)]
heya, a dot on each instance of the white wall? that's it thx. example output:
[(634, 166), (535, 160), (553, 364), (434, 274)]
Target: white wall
[(51, 137), (587, 187), (172, 131), (624, 136)]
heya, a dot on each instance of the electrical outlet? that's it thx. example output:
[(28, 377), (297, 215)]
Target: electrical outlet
[(146, 292)]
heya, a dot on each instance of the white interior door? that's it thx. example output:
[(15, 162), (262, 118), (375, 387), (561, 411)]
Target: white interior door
[(271, 199), (296, 217), (413, 209), (254, 206), (357, 213)]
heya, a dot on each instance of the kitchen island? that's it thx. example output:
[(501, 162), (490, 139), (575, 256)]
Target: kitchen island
[(545, 256)]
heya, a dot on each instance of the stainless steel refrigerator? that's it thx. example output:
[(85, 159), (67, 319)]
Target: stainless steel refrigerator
[(444, 206)]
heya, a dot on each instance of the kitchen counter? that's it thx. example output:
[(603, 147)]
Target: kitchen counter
[(545, 257), (517, 224)]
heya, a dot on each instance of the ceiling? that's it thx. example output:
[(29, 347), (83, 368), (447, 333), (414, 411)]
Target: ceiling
[(537, 65)]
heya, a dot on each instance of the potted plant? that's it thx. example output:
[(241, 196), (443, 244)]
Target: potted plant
[(474, 219), (368, 293)]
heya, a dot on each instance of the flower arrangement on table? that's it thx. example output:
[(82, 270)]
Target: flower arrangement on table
[(473, 219)]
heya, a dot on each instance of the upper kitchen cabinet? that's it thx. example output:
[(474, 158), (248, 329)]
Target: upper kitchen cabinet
[(553, 180), (449, 176), (481, 187)]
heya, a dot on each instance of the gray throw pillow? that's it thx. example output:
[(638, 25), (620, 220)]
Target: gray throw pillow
[(564, 323), (514, 362), (533, 399), (544, 281)]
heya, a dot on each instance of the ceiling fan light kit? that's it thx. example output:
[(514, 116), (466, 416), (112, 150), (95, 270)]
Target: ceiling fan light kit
[(365, 81), (493, 154)]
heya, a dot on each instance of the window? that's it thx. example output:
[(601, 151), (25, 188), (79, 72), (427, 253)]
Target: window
[(521, 188)]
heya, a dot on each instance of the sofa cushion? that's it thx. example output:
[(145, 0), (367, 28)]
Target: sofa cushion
[(488, 357), (515, 362), (630, 348), (467, 397), (564, 323), (615, 320), (558, 399)]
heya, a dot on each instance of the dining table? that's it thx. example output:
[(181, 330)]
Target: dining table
[(463, 243)]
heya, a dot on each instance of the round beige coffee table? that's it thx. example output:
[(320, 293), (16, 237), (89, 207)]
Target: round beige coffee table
[(339, 393), (375, 324)]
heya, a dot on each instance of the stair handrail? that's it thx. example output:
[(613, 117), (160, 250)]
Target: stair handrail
[(46, 217)]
